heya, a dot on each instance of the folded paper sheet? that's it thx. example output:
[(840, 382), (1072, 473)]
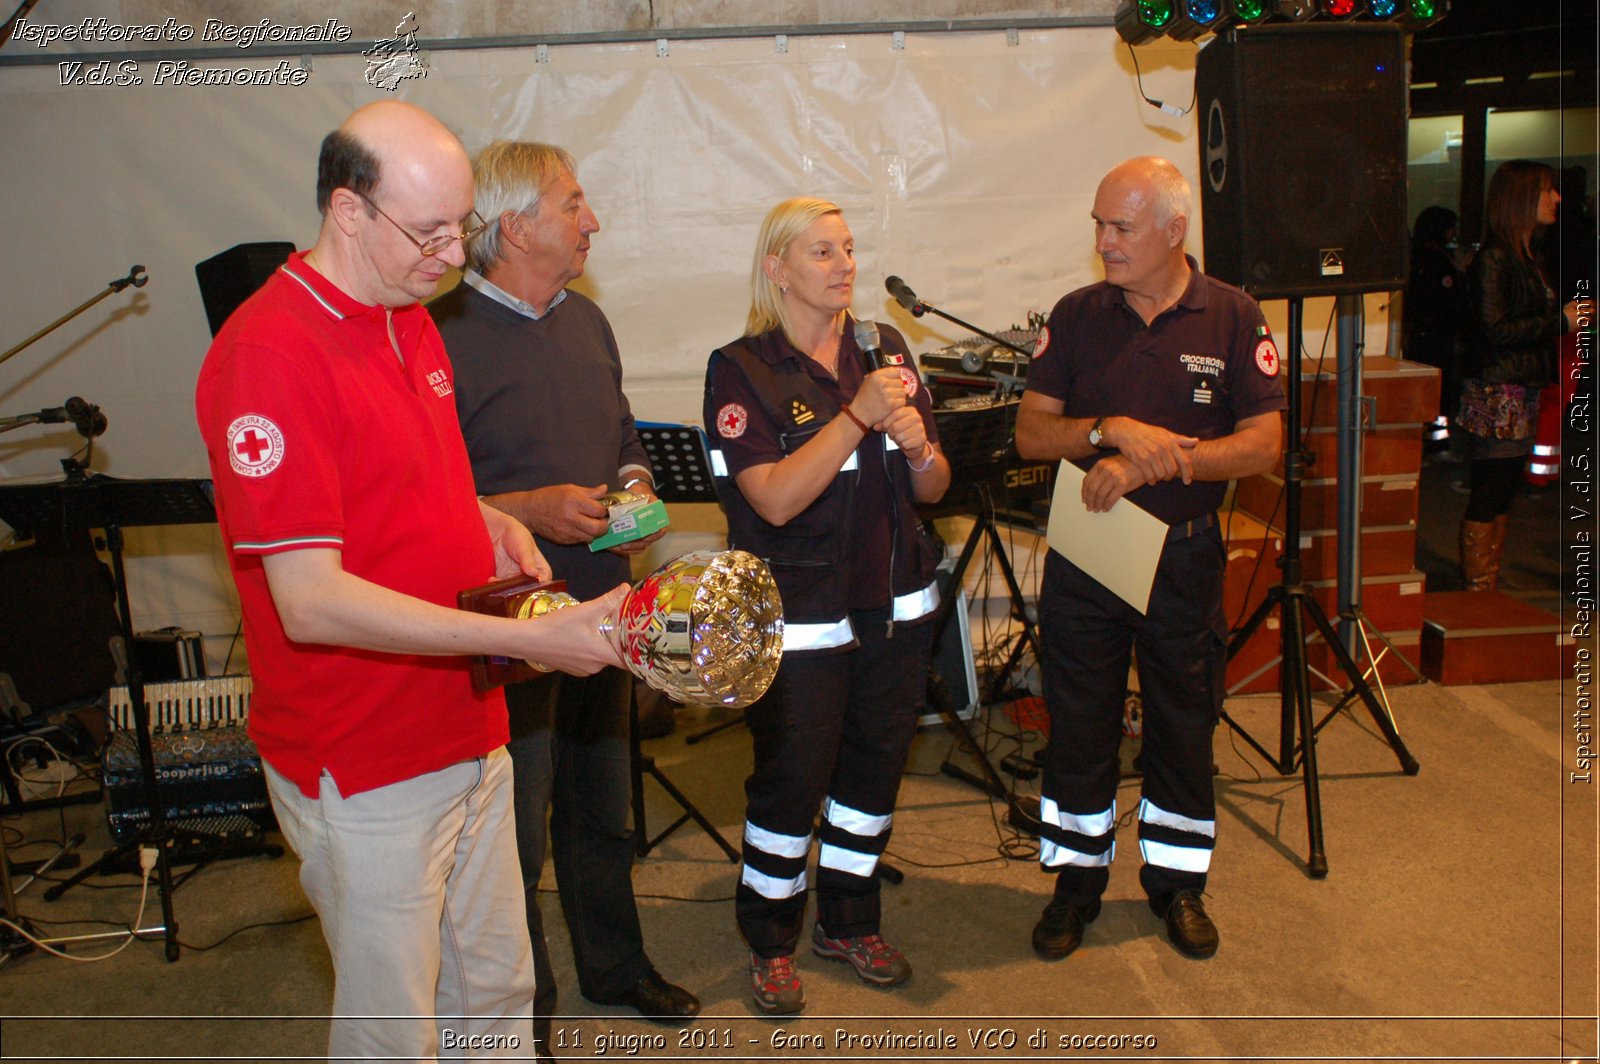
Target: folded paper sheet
[(1120, 548)]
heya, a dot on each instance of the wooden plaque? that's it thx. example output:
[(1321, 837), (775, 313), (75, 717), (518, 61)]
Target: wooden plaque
[(502, 598)]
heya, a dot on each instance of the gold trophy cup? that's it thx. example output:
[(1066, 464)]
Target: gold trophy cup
[(706, 628)]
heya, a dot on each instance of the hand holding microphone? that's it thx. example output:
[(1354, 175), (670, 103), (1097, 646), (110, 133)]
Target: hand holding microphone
[(881, 394)]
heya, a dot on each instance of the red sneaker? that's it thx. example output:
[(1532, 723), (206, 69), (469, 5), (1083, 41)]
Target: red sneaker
[(874, 960), (775, 984)]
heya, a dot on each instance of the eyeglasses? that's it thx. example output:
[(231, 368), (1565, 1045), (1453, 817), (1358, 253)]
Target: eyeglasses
[(437, 244)]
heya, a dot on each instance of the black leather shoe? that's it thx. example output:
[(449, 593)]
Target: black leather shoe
[(1060, 930), (1188, 926), (656, 999)]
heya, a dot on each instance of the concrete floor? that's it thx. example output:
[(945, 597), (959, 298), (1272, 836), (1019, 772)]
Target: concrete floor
[(1457, 920)]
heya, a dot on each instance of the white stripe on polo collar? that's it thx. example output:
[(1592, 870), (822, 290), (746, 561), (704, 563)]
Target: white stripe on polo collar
[(334, 311)]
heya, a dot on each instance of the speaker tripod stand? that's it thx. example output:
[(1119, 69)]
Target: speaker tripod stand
[(1355, 412), (1293, 600)]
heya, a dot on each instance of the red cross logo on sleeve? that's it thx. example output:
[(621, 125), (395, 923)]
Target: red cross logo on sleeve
[(1267, 358), (255, 445), (731, 421)]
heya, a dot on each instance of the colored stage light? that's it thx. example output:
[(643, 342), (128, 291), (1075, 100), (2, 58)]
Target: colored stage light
[(1419, 14), (1139, 21), (1195, 18), (1247, 11)]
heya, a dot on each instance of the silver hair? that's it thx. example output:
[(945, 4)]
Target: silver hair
[(509, 176)]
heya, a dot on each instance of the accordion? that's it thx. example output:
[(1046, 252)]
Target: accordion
[(207, 769)]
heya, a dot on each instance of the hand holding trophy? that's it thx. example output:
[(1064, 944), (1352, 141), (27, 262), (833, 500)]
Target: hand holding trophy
[(705, 628)]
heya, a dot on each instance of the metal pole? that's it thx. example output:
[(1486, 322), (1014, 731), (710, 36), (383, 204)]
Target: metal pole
[(1350, 325)]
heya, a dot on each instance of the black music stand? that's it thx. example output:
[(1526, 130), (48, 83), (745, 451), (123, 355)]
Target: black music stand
[(87, 501), (680, 462), (682, 470)]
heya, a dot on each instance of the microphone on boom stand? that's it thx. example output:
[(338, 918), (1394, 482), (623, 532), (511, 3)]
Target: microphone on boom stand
[(908, 299), (905, 296)]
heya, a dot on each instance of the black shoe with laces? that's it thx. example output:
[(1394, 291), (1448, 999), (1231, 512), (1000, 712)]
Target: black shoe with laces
[(1188, 926), (1060, 930)]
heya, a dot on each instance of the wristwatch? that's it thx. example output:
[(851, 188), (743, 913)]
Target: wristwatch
[(1097, 434)]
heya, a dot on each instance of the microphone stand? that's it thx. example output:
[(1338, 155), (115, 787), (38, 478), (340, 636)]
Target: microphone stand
[(1022, 813), (87, 429), (919, 307), (9, 423), (137, 278)]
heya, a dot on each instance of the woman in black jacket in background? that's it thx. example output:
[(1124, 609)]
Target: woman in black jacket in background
[(1509, 353)]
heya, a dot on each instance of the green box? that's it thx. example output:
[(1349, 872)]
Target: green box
[(634, 522)]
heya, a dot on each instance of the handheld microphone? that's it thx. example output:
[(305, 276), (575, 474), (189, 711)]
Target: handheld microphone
[(866, 333), (904, 296)]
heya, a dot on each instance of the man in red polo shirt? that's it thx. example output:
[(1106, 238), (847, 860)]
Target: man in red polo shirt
[(349, 518)]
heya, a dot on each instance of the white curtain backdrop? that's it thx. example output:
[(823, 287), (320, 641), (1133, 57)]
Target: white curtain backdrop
[(964, 163)]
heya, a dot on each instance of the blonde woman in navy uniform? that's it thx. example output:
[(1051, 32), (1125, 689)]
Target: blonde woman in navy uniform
[(821, 465)]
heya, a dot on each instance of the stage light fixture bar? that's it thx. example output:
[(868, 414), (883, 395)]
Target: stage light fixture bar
[(1141, 21)]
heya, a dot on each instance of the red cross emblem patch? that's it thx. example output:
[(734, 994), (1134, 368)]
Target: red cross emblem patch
[(1042, 342), (731, 421), (1267, 358), (908, 377), (255, 445)]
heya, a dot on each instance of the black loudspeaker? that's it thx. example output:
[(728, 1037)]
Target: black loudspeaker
[(1303, 158), (231, 277)]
